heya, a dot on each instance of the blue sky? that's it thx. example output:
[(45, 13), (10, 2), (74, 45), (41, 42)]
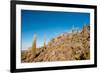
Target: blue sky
[(48, 24)]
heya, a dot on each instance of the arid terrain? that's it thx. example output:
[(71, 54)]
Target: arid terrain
[(67, 46)]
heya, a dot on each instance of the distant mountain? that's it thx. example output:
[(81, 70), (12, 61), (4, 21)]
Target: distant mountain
[(67, 46)]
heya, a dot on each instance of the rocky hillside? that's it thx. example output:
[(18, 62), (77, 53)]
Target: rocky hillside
[(67, 46)]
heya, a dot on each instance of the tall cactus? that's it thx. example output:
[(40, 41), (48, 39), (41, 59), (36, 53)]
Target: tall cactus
[(72, 33), (84, 25), (34, 46), (44, 42), (73, 29)]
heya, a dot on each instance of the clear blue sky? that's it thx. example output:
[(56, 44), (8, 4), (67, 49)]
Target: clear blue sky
[(48, 24)]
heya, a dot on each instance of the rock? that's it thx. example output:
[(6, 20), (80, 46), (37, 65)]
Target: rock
[(67, 46)]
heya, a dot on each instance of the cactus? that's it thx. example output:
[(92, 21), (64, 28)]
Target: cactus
[(44, 42), (72, 28), (84, 25), (34, 46), (72, 32)]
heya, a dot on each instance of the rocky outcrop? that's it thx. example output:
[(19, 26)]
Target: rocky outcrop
[(67, 46)]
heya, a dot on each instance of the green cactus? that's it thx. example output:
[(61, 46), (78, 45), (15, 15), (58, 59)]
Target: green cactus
[(44, 42), (34, 46), (73, 29)]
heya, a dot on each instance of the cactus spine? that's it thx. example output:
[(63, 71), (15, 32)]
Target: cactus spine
[(34, 46)]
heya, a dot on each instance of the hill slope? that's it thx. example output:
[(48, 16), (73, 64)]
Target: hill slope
[(67, 46)]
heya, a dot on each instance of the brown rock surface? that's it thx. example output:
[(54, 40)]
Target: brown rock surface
[(68, 46)]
